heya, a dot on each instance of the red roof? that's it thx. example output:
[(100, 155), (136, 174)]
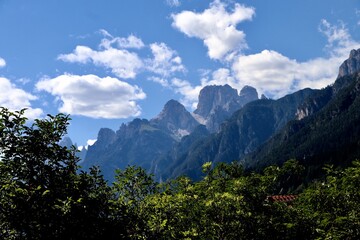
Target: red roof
[(282, 198)]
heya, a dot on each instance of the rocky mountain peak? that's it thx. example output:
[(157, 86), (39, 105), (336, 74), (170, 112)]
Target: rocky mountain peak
[(217, 103), (66, 142), (105, 137), (351, 65), (248, 94), (213, 96), (171, 108), (174, 118)]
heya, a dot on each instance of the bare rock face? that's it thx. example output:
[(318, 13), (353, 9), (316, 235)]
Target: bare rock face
[(321, 98), (213, 96), (217, 103), (351, 65), (106, 136), (174, 118), (248, 94)]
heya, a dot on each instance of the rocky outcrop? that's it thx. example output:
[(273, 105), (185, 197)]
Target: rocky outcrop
[(66, 142), (217, 103), (247, 94), (175, 119), (212, 97), (106, 136), (351, 65), (136, 143), (322, 97), (243, 133)]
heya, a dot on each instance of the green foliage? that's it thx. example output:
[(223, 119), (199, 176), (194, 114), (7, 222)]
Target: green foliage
[(329, 136), (43, 196)]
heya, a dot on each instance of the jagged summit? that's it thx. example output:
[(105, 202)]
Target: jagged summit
[(350, 65), (248, 94), (213, 96), (175, 119), (169, 108), (217, 103), (316, 102)]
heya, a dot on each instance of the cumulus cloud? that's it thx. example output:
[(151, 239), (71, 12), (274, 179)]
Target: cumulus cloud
[(165, 61), (113, 54), (2, 62), (122, 63), (94, 97), (216, 26), (276, 75), (16, 99), (268, 71)]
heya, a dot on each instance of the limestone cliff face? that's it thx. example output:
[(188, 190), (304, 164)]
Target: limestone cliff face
[(212, 97), (351, 65), (316, 102), (217, 103), (175, 119)]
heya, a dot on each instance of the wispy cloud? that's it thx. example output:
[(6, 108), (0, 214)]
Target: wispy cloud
[(130, 42), (173, 3), (2, 62), (165, 61), (94, 97)]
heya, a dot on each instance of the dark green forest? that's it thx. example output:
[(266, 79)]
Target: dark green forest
[(44, 195)]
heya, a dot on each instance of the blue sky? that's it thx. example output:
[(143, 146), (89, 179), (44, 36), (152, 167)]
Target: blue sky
[(107, 62)]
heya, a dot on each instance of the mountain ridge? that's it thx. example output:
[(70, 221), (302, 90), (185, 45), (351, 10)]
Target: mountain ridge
[(236, 127)]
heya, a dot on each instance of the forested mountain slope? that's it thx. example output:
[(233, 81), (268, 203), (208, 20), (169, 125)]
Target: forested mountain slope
[(331, 135)]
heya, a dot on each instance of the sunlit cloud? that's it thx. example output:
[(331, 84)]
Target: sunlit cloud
[(165, 61), (93, 96), (16, 99), (216, 27)]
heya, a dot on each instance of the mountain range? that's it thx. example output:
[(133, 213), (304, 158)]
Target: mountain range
[(312, 126)]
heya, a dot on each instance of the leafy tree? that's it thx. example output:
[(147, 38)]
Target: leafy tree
[(42, 196), (333, 204), (131, 188)]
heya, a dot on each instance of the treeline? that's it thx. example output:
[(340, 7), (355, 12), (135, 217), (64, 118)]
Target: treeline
[(43, 195)]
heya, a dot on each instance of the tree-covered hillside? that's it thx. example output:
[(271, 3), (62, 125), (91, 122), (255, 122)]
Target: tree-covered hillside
[(43, 196), (331, 135)]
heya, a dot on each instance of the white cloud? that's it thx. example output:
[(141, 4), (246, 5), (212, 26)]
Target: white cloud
[(216, 27), (163, 82), (119, 42), (165, 61), (275, 74), (16, 99), (94, 97), (268, 71), (122, 63), (190, 94), (89, 142), (126, 64), (2, 62)]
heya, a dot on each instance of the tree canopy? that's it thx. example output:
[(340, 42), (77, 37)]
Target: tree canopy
[(44, 195)]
